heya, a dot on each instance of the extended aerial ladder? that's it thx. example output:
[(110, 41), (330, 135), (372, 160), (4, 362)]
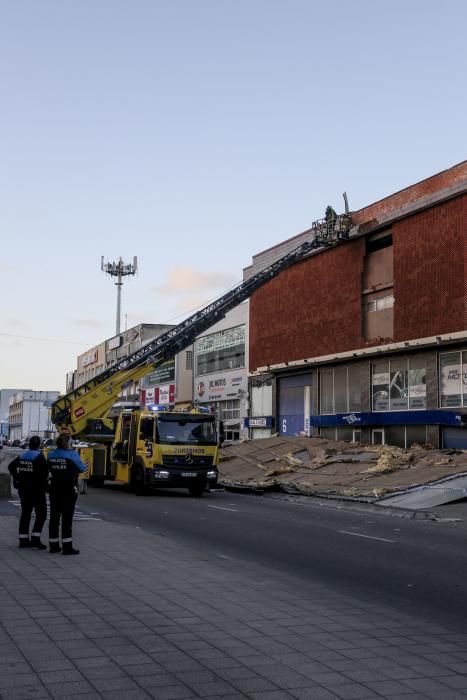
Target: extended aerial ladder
[(83, 411)]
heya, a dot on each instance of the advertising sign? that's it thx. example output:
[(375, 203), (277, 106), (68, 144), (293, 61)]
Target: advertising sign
[(90, 358), (114, 342), (452, 379), (221, 386), (164, 394), (147, 397), (164, 374), (381, 391), (221, 340)]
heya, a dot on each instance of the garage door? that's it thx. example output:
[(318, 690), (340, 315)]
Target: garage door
[(294, 404), (455, 437)]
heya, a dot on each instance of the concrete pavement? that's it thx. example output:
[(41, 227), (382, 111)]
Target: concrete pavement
[(137, 615)]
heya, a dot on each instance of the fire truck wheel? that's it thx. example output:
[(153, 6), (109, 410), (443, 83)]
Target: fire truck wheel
[(137, 480)]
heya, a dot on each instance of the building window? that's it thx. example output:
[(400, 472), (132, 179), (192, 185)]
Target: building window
[(232, 433), (399, 384), (399, 435), (189, 359), (221, 351), (453, 379), (341, 433), (340, 390), (228, 410), (380, 303)]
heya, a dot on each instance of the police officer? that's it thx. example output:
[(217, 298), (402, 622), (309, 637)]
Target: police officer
[(29, 472), (64, 466)]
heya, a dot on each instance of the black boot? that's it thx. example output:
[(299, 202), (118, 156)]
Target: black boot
[(36, 542), (68, 548), (54, 548), (24, 542)]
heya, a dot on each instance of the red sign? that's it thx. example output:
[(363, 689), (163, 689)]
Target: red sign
[(164, 394), (80, 412)]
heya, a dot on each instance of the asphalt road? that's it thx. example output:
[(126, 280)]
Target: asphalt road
[(415, 566)]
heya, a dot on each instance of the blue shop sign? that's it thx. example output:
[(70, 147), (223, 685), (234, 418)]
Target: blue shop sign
[(357, 419)]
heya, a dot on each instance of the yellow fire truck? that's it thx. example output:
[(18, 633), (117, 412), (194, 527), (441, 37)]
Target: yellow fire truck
[(150, 448)]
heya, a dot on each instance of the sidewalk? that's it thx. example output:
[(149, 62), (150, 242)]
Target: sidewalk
[(136, 615)]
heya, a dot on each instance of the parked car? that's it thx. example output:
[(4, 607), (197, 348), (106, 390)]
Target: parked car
[(47, 443), (16, 442), (24, 443)]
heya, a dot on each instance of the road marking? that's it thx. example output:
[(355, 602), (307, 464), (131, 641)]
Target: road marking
[(220, 508), (368, 537)]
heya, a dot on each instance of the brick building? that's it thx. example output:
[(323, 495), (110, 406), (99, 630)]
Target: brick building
[(367, 340)]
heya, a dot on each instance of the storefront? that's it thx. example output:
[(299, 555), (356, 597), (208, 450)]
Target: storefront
[(418, 398), (220, 377)]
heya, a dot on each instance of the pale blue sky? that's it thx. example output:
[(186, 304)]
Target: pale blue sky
[(194, 134)]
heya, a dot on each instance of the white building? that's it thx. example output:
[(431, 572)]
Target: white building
[(169, 384), (29, 414), (220, 379), (5, 396)]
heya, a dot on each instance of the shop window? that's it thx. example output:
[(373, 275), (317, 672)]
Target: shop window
[(344, 433), (399, 384), (380, 386), (415, 435), (189, 359), (355, 389), (341, 404), (328, 433), (394, 435), (326, 392), (417, 383), (403, 436), (340, 390), (399, 390), (451, 376)]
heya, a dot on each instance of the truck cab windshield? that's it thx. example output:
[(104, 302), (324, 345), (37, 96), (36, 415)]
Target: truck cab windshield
[(186, 431)]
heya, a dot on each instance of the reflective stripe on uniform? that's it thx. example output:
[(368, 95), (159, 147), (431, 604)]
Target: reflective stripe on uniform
[(54, 539), (24, 537), (67, 539)]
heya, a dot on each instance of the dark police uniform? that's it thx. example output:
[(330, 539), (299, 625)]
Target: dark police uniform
[(64, 467), (29, 472)]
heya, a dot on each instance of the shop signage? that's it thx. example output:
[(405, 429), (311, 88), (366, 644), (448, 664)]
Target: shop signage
[(229, 338), (435, 417), (90, 358), (223, 386), (258, 422), (164, 394), (147, 397), (114, 343), (164, 374)]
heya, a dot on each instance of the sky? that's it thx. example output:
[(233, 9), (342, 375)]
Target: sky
[(195, 134)]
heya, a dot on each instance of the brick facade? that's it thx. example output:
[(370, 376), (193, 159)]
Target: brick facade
[(429, 271), (310, 309), (314, 308)]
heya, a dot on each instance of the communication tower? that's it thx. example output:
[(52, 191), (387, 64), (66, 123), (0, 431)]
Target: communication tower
[(119, 270)]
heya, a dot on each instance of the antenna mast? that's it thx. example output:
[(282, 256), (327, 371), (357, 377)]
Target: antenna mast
[(119, 270)]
